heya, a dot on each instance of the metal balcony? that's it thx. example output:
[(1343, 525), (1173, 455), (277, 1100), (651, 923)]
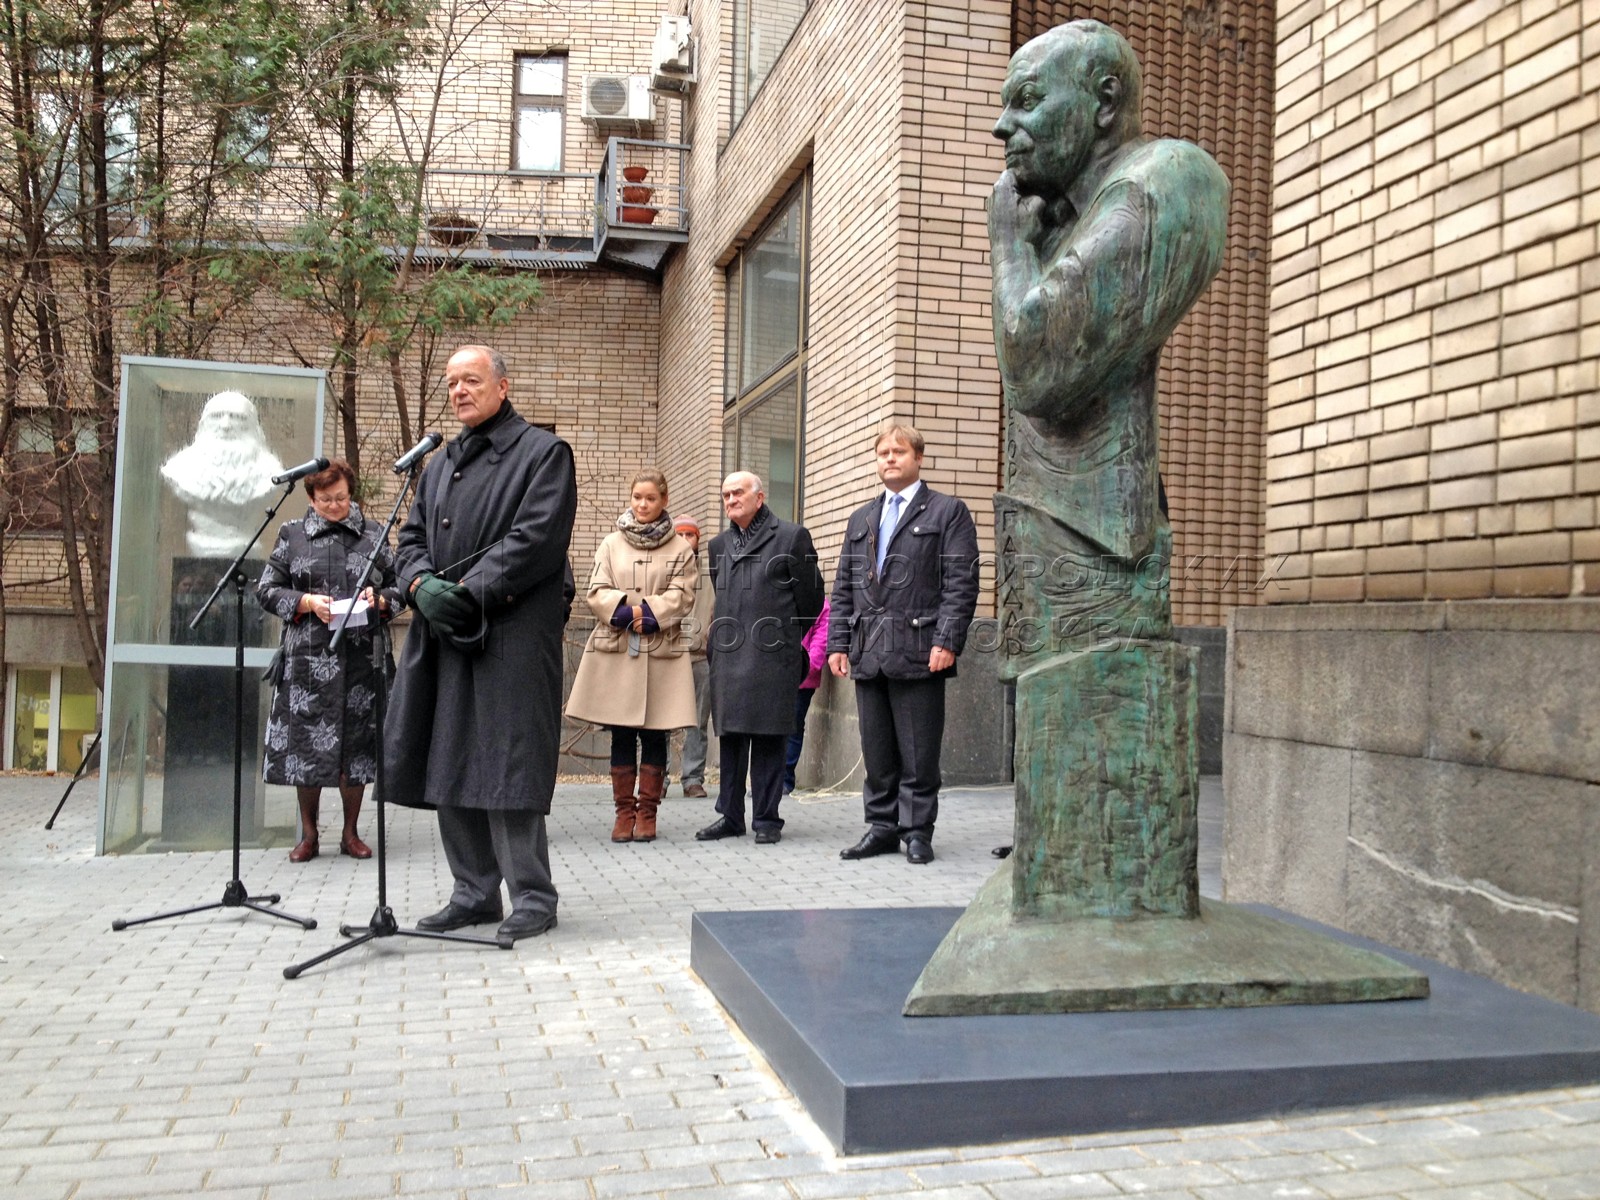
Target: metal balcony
[(567, 220)]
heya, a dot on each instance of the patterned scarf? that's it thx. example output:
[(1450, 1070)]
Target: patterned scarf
[(642, 536), (741, 537)]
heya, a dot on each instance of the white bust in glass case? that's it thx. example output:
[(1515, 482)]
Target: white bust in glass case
[(222, 475)]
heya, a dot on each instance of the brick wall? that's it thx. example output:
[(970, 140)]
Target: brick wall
[(891, 117), (1433, 423), (956, 57), (35, 569), (832, 103)]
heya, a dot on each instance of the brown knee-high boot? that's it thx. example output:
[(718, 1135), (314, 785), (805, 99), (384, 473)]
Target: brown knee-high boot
[(622, 781), (652, 785)]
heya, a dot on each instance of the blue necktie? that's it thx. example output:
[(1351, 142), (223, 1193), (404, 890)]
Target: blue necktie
[(891, 518)]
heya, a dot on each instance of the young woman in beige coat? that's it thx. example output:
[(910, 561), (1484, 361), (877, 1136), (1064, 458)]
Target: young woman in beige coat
[(635, 677)]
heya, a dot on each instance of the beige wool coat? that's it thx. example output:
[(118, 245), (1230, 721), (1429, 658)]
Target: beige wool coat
[(655, 688)]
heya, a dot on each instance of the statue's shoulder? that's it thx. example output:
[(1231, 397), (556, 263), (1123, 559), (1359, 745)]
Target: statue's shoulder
[(1167, 166)]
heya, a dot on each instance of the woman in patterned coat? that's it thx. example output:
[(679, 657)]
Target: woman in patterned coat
[(322, 731)]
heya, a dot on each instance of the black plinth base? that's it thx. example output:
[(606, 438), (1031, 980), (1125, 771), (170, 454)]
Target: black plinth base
[(820, 992)]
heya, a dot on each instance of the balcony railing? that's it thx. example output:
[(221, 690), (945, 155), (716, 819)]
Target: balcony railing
[(641, 187), (567, 218)]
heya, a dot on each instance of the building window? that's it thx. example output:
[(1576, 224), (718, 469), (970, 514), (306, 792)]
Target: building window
[(764, 391), (539, 112), (246, 132), (761, 30), (35, 489), (63, 101), (51, 716)]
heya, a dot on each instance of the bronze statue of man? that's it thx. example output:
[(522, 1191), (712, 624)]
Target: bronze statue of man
[(1102, 239)]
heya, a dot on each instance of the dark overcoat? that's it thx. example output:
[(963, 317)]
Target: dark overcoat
[(925, 596), (323, 723), (476, 720), (767, 597)]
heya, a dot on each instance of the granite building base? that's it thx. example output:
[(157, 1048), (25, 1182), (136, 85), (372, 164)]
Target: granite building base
[(1426, 775)]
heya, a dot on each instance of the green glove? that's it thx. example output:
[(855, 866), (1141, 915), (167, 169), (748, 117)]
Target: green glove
[(447, 606)]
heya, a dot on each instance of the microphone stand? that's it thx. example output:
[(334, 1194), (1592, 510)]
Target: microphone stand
[(234, 895), (88, 757), (382, 923)]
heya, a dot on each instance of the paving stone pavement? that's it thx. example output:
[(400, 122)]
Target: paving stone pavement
[(175, 1060)]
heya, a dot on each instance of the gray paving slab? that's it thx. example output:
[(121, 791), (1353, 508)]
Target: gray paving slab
[(174, 1060)]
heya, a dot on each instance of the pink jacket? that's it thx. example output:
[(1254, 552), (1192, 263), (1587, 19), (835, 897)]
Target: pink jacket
[(816, 644)]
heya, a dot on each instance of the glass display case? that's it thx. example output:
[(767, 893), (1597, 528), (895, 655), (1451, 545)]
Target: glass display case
[(198, 444)]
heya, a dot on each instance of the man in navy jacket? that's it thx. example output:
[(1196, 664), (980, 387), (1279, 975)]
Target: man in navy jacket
[(903, 597)]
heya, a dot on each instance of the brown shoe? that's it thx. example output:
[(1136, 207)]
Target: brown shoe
[(351, 842), (622, 781), (310, 801), (652, 786), (696, 790)]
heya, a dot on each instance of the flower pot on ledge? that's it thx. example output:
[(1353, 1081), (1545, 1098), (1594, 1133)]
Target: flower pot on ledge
[(451, 228), (634, 193), (635, 174), (636, 214)]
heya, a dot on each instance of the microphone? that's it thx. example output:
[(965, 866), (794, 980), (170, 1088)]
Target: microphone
[(417, 453), (295, 474)]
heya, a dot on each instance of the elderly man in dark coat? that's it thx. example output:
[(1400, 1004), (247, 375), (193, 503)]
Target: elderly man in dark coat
[(474, 729), (768, 594)]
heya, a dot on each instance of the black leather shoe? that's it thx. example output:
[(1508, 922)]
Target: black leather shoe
[(720, 828), (768, 837), (919, 851), (527, 923), (873, 843), (457, 916)]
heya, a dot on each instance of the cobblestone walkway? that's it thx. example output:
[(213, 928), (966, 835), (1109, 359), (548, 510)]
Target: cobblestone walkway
[(175, 1060)]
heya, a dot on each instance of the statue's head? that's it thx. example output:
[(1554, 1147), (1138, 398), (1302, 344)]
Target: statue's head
[(1067, 92), (230, 417)]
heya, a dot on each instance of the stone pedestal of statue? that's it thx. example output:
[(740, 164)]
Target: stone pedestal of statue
[(1107, 785), (197, 788), (1098, 909)]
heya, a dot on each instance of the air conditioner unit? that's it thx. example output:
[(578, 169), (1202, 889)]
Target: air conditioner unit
[(672, 53), (617, 98)]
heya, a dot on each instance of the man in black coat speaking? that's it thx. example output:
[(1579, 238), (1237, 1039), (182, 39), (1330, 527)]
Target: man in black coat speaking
[(474, 730), (768, 595), (903, 597)]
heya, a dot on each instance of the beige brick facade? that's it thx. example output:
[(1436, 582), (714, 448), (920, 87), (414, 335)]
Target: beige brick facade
[(1433, 406), (899, 164)]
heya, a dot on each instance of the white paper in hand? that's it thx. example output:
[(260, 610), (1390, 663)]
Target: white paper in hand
[(356, 607)]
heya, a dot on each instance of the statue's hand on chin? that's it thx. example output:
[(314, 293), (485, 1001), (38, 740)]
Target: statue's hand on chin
[(1014, 216)]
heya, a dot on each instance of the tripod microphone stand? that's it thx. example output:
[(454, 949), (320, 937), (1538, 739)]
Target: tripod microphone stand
[(382, 923), (234, 895)]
